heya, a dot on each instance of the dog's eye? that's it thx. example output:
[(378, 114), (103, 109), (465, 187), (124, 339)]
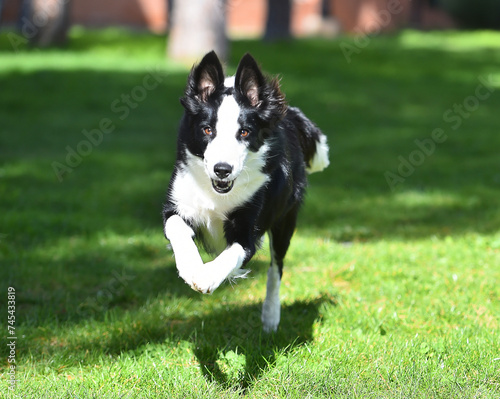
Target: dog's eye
[(244, 133), (208, 130)]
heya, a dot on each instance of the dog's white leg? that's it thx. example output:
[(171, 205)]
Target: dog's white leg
[(187, 257), (213, 273), (204, 278), (272, 308)]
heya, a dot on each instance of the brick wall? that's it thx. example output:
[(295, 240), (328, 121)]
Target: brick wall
[(247, 17), (150, 14)]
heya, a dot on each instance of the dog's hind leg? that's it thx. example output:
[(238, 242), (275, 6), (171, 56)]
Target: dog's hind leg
[(279, 241), (271, 309)]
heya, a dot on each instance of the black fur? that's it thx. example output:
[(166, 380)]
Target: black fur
[(291, 138)]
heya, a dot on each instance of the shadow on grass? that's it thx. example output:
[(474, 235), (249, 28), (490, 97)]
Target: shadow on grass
[(231, 347), (156, 307)]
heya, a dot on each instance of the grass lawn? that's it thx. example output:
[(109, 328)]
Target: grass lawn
[(391, 287)]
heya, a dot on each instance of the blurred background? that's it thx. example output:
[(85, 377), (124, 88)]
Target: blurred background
[(46, 22)]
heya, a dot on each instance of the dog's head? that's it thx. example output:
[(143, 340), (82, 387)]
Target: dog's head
[(228, 123)]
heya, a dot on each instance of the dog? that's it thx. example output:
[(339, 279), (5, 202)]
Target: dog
[(242, 161)]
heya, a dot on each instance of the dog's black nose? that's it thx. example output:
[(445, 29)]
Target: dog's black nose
[(222, 170)]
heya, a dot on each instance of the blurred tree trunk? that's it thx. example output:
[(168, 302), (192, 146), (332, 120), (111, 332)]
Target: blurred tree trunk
[(48, 21), (416, 12), (198, 26), (278, 23), (170, 7), (1, 8)]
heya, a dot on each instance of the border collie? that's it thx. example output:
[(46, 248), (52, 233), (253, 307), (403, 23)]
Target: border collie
[(242, 159)]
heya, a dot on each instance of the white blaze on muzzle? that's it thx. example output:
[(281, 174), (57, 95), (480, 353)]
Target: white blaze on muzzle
[(225, 155)]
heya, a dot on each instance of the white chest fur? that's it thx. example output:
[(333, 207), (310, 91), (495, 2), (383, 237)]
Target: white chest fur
[(197, 202)]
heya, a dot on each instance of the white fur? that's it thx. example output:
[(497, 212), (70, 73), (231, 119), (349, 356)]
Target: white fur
[(229, 81), (186, 253), (225, 147), (204, 278), (271, 308), (213, 273), (198, 202), (320, 160)]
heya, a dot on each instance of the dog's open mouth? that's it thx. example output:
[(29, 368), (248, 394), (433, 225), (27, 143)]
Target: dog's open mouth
[(222, 186)]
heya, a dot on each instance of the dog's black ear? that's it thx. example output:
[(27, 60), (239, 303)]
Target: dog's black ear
[(205, 77), (249, 80)]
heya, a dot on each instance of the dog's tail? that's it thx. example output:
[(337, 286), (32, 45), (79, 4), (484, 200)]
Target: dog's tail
[(312, 140)]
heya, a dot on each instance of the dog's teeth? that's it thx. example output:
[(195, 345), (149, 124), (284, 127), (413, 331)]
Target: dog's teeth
[(221, 186)]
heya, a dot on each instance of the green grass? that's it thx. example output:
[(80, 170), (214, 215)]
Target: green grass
[(386, 292)]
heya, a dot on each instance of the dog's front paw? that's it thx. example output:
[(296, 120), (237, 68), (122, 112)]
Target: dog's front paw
[(205, 283), (198, 284)]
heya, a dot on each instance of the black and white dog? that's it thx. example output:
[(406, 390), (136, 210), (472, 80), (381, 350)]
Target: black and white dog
[(242, 159)]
